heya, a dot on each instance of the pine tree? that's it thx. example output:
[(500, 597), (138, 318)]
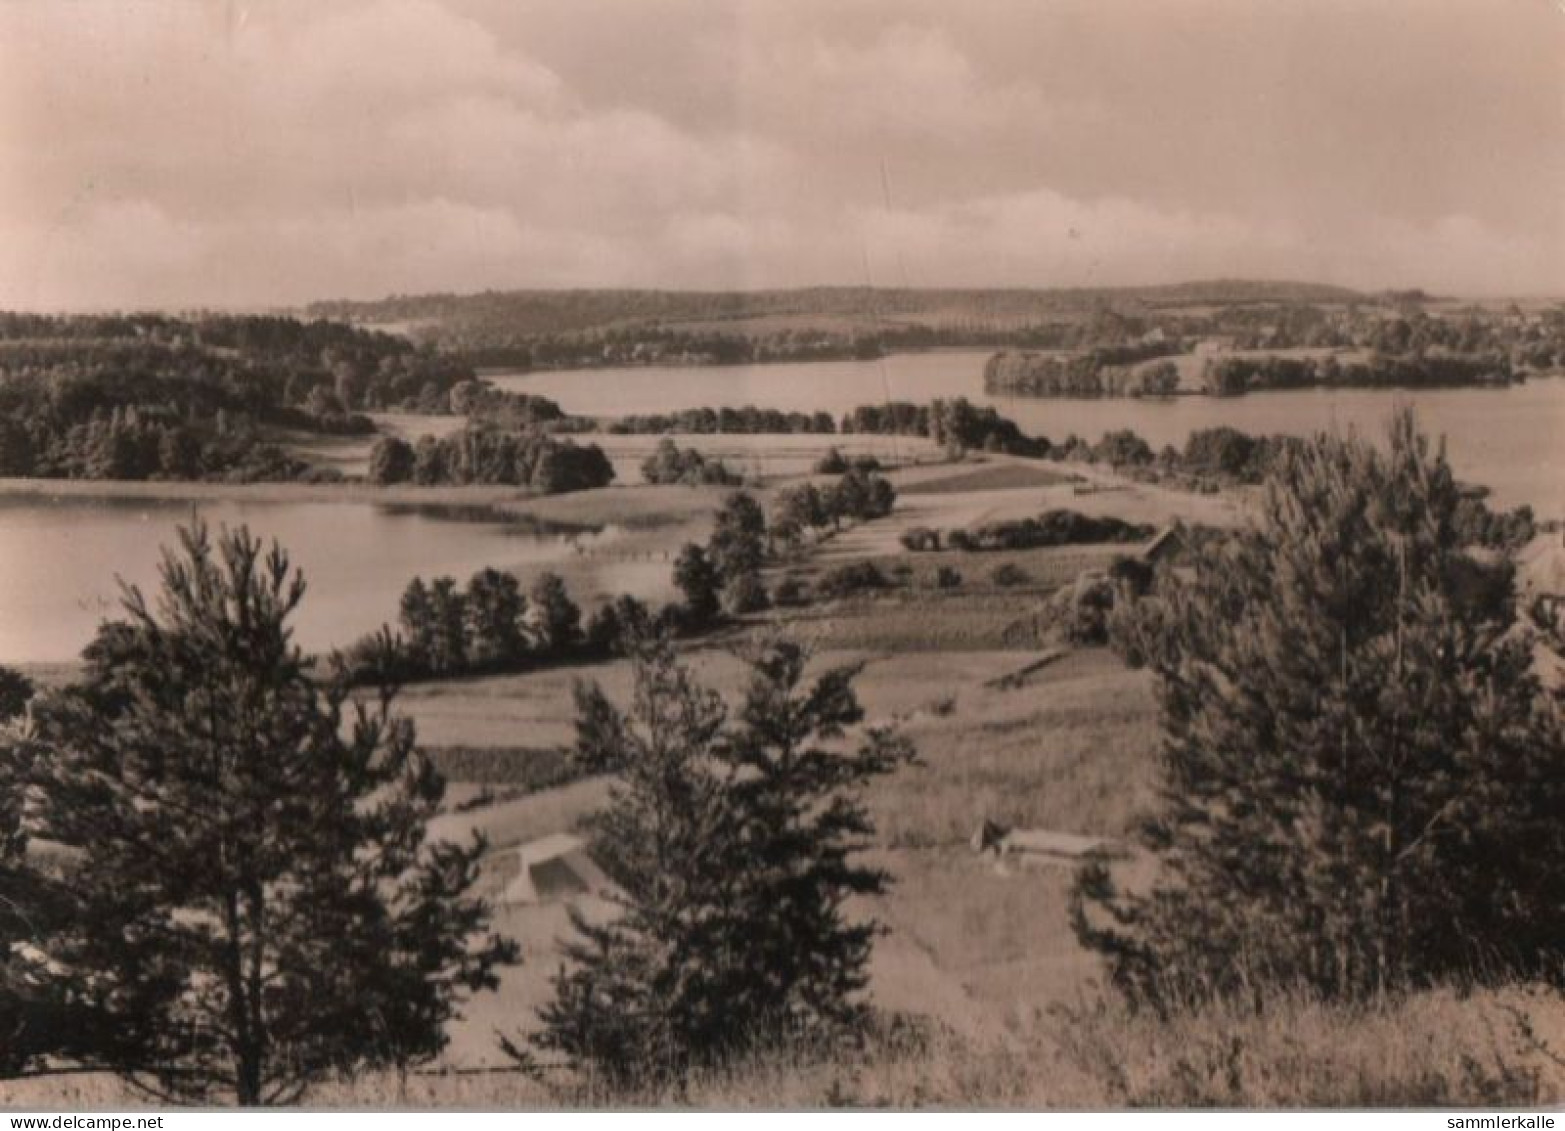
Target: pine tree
[(733, 846), (558, 618), (495, 609), (417, 614), (642, 994), (33, 1025), (1362, 780), (448, 638), (253, 895), (737, 547), (805, 821), (698, 581)]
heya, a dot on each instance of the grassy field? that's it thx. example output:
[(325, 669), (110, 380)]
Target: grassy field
[(1065, 745), (995, 477)]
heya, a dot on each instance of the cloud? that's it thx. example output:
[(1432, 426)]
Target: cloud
[(908, 83), (169, 152)]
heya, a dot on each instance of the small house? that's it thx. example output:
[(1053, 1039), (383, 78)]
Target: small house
[(1043, 846), (552, 869)]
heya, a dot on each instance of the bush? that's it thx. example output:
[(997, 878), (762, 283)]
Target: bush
[(744, 594), (920, 539), (673, 464), (1010, 575), (1052, 528), (861, 495), (832, 463), (790, 592), (1087, 617), (845, 580), (947, 578)]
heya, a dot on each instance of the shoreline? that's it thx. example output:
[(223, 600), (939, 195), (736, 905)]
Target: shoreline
[(268, 492), (639, 509)]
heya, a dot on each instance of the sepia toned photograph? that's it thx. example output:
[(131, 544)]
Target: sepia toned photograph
[(773, 555)]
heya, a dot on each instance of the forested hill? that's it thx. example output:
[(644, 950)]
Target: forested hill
[(565, 311), (551, 329), (200, 397)]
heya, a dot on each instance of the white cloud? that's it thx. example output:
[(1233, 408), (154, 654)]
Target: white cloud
[(171, 152)]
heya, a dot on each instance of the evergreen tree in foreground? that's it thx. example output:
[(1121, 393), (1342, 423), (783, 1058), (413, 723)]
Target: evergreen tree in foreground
[(253, 896), (732, 843), (1362, 778), (34, 1021)]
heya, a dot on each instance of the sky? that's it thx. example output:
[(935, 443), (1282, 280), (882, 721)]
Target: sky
[(222, 153)]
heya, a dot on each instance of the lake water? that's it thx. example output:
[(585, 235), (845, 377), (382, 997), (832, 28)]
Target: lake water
[(59, 558), (1511, 440)]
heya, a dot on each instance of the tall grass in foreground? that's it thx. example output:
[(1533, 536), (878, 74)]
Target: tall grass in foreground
[(1430, 1049), (1434, 1048)]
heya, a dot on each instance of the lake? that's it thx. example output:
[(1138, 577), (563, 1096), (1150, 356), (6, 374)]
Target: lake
[(1511, 440), (59, 557)]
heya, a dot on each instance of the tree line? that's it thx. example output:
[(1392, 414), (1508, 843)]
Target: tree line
[(743, 421), (1103, 371), (956, 423), (480, 453), (492, 625), (1094, 373), (1052, 528), (1235, 376)]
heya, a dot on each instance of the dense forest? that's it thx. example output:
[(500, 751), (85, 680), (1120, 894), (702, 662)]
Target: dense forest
[(586, 329), (208, 397), (1095, 373), (1104, 371), (568, 311), (582, 329), (153, 396), (543, 463)]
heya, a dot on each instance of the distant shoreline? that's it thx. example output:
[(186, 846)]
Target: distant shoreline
[(284, 492)]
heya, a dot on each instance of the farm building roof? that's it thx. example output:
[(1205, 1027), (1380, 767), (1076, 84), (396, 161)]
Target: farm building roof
[(546, 870)]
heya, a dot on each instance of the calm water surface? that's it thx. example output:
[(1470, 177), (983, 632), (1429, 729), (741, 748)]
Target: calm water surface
[(1512, 440), (59, 558)]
